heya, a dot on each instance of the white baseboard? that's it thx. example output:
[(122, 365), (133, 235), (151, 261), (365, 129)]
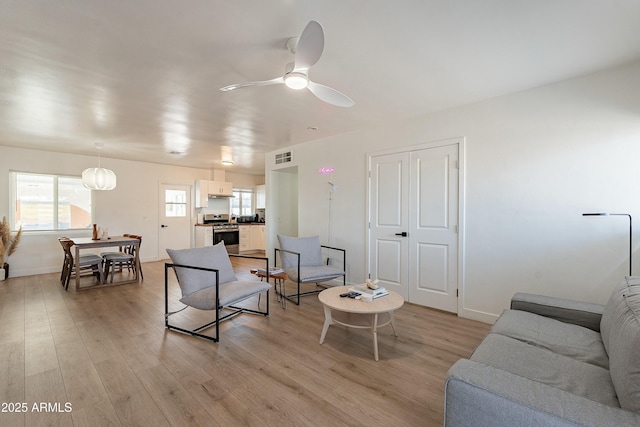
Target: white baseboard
[(478, 315)]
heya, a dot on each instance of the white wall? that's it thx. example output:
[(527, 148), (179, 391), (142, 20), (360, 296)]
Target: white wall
[(131, 208), (535, 161)]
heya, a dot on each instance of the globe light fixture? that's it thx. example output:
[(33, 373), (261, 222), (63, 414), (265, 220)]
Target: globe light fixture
[(99, 178)]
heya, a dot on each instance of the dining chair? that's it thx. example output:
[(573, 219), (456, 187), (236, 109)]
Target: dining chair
[(207, 282), (87, 262), (302, 260), (124, 258)]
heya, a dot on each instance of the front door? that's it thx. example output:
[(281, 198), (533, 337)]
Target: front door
[(175, 218), (413, 229)]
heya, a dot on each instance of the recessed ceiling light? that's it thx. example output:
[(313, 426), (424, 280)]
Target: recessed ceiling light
[(226, 162)]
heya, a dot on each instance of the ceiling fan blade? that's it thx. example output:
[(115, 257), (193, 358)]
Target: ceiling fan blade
[(275, 81), (310, 46), (330, 96)]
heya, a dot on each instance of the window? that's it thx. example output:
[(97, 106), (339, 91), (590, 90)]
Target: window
[(175, 203), (50, 202), (242, 202)]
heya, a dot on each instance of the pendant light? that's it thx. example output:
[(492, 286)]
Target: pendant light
[(98, 178)]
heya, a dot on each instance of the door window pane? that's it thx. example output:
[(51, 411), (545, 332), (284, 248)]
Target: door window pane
[(175, 203)]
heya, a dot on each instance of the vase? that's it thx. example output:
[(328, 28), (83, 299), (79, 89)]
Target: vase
[(4, 273)]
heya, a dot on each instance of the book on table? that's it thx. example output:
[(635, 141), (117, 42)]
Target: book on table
[(375, 293), (272, 271)]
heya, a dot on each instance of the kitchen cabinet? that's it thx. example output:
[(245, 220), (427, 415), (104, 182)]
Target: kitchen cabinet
[(261, 197), (204, 236), (252, 238), (257, 237), (220, 188), (202, 193), (245, 238)]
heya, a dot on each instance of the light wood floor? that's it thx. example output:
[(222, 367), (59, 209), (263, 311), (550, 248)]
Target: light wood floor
[(105, 358)]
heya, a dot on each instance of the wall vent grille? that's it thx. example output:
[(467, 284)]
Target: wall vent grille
[(283, 158)]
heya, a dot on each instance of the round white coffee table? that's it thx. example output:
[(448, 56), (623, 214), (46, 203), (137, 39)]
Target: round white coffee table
[(355, 313)]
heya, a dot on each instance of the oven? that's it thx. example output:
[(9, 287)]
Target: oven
[(225, 231), (230, 234)]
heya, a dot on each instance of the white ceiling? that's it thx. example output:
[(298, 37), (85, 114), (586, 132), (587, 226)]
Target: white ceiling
[(142, 76)]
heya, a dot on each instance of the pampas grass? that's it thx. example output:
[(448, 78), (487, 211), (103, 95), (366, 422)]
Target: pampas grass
[(8, 243)]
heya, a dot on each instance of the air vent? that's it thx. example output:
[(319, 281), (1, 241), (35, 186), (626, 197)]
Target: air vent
[(283, 158)]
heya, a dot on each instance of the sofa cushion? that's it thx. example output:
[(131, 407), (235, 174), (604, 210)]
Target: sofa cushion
[(620, 328), (230, 293), (544, 366), (567, 339), (192, 280)]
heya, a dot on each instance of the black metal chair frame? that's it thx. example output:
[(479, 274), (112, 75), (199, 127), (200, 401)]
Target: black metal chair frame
[(299, 294), (234, 310)]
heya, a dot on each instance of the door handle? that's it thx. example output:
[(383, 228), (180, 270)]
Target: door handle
[(164, 226), (403, 234)]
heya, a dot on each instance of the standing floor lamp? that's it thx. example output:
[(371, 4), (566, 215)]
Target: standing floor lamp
[(630, 232)]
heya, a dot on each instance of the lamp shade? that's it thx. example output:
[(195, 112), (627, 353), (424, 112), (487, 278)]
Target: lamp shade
[(99, 179)]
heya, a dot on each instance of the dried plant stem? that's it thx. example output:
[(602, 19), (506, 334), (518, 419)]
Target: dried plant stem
[(8, 244), (14, 243)]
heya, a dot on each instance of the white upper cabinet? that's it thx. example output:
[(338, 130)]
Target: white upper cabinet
[(220, 188), (202, 193)]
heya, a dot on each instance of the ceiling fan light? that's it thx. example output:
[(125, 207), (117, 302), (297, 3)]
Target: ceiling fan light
[(295, 80), (98, 179)]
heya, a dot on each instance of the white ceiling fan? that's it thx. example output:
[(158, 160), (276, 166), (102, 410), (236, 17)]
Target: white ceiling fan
[(307, 49)]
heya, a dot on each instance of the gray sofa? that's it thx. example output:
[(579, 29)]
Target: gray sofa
[(550, 361)]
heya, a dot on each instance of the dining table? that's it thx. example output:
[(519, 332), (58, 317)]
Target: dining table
[(83, 243)]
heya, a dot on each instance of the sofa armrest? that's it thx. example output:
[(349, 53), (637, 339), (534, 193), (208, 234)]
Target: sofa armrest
[(480, 395), (565, 310)]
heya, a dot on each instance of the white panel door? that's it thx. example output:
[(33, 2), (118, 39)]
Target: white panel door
[(388, 219), (433, 231), (175, 218), (413, 228)]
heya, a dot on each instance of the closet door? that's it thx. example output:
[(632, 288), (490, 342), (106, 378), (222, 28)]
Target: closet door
[(413, 224), (388, 220), (433, 235)]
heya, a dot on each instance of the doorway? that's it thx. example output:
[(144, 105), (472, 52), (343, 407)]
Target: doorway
[(175, 218), (414, 211)]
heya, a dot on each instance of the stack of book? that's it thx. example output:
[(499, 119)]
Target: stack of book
[(274, 270), (375, 293)]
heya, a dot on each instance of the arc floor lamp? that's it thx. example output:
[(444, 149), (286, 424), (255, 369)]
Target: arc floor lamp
[(630, 231)]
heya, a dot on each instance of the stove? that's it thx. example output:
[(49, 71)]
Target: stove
[(225, 226), (223, 230)]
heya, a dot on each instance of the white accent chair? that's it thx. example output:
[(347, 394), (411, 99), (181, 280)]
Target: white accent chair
[(302, 259), (207, 282)]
